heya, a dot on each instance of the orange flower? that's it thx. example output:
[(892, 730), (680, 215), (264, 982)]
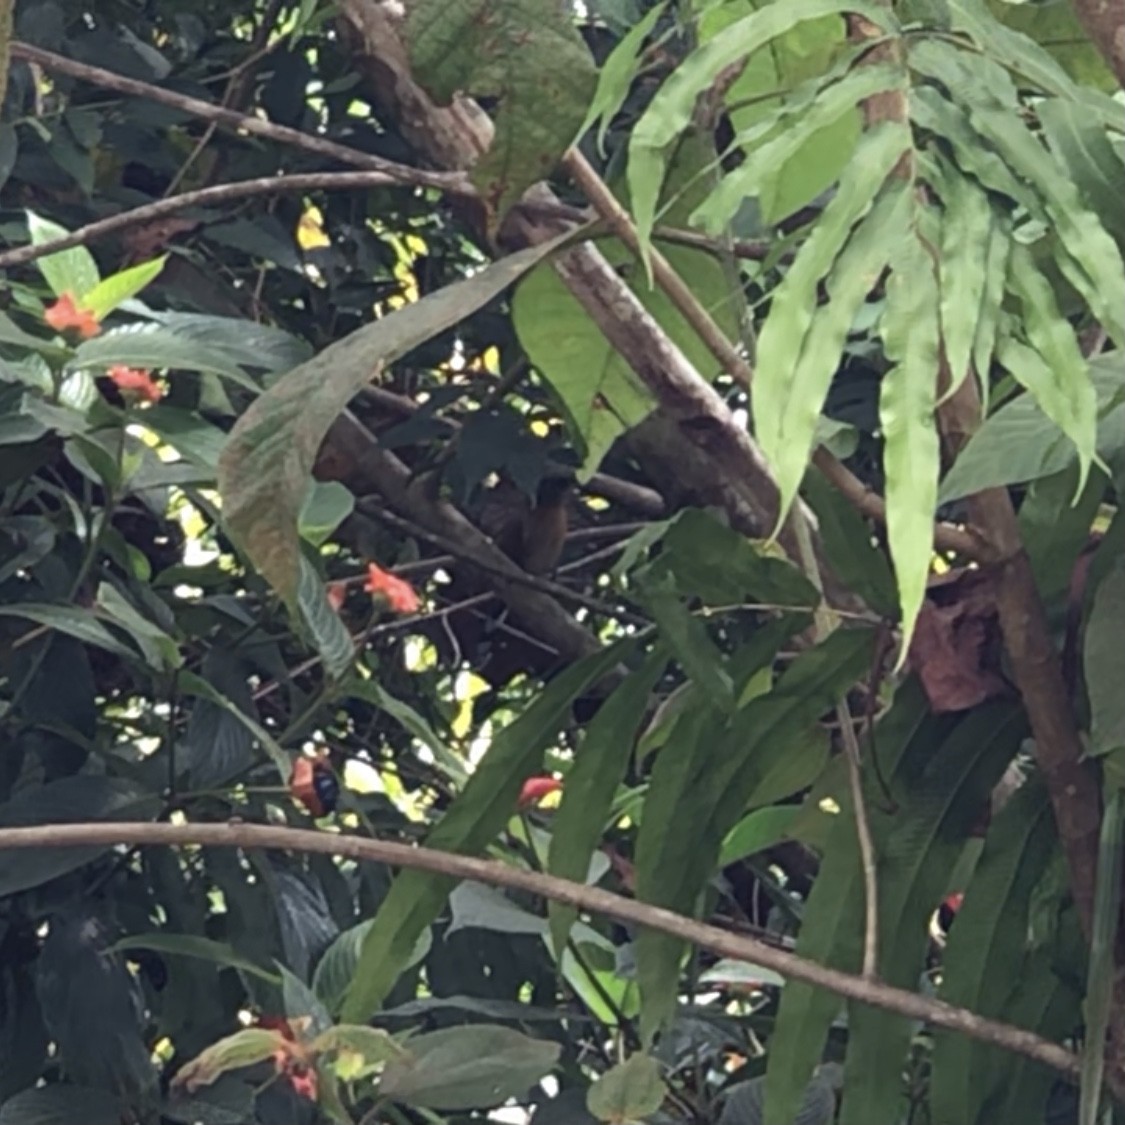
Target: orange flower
[(536, 788), (400, 595), (135, 384), (336, 592), (64, 314)]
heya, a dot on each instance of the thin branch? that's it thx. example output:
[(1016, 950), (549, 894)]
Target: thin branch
[(592, 899), (219, 193), (455, 182)]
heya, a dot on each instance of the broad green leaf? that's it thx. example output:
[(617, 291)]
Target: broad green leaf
[(687, 636), (987, 951), (526, 55), (592, 781), (246, 345), (264, 470), (966, 241), (326, 506), (359, 1050), (833, 934), (72, 271), (193, 945), (243, 1048), (119, 287), (711, 769), (911, 451), (784, 420), (72, 620), (670, 111), (469, 825), (756, 832), (336, 968), (156, 346), (158, 648), (920, 844), (832, 103), (189, 683), (69, 800), (1104, 661), (470, 1067), (630, 1091), (1059, 382), (617, 74), (191, 436), (849, 543)]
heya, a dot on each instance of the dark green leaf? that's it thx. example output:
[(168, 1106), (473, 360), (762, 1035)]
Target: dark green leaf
[(62, 1105), (192, 945)]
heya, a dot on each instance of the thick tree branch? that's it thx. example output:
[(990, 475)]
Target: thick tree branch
[(592, 899)]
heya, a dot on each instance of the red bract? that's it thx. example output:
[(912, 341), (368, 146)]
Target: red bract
[(135, 383), (536, 788), (336, 592), (65, 314), (400, 595)]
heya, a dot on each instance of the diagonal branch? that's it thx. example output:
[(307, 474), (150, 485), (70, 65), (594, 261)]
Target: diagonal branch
[(581, 896)]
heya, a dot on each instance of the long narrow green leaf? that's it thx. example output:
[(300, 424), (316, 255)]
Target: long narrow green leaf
[(784, 421), (1061, 383), (670, 112), (592, 782), (911, 451), (471, 823), (834, 934), (918, 846), (992, 297), (966, 242), (985, 957), (763, 160), (1099, 982)]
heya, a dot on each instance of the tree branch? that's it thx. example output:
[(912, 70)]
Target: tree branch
[(592, 899), (1104, 22)]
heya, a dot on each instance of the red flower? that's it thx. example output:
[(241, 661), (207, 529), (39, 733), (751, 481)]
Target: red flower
[(64, 314), (953, 902), (313, 783), (400, 595), (303, 1081), (336, 592), (536, 788), (135, 384)]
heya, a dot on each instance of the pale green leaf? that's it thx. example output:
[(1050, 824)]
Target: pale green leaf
[(119, 287), (72, 271), (784, 421), (325, 627), (630, 1091), (911, 451)]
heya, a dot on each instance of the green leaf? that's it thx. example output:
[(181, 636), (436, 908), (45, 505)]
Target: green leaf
[(189, 683), (244, 1048), (1057, 375), (324, 625), (360, 1050), (987, 951), (191, 436), (527, 56), (591, 783), (966, 243), (192, 945), (469, 825), (336, 968), (833, 102), (992, 297), (264, 470), (1104, 662), (688, 638), (119, 287), (159, 650), (74, 621), (786, 404), (60, 1104), (911, 451), (326, 506), (72, 271), (617, 74), (756, 832), (69, 800), (848, 541), (630, 1091), (670, 111), (470, 1067)]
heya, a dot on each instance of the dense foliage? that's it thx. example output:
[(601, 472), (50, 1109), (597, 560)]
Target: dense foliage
[(724, 511)]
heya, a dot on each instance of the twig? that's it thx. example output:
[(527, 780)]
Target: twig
[(219, 193), (455, 182), (592, 899)]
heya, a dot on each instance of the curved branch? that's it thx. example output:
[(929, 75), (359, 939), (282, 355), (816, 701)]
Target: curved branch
[(593, 899)]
